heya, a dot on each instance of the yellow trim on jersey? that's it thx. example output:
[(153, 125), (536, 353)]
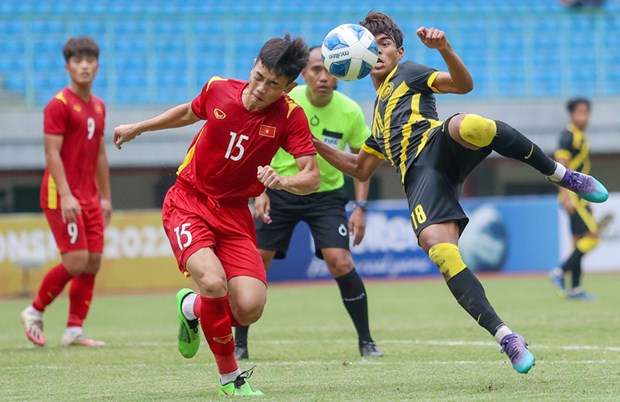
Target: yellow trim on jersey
[(384, 90), (583, 156), (61, 97), (408, 128), (291, 106), (190, 154), (415, 114), (214, 79), (377, 123), (424, 139), (52, 193), (372, 151), (431, 81), (387, 118)]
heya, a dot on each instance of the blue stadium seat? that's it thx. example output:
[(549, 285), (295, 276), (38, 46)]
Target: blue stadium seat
[(490, 37)]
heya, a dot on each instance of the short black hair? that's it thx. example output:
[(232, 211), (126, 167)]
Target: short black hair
[(572, 104), (83, 46), (379, 23), (284, 56)]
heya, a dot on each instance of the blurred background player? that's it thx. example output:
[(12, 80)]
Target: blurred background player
[(338, 121), (75, 194), (574, 153), (205, 213), (433, 159)]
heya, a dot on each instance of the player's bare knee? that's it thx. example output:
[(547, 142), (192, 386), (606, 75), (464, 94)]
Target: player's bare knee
[(248, 314), (210, 285), (340, 265), (476, 131), (75, 262), (94, 263)]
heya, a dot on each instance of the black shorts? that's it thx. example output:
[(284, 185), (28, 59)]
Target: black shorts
[(434, 182), (582, 221), (324, 212)]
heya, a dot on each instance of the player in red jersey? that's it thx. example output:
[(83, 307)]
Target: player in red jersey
[(75, 194), (206, 214)]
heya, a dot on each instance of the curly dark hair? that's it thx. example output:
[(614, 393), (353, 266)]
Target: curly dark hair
[(379, 23)]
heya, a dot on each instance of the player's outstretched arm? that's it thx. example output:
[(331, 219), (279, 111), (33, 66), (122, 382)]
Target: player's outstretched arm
[(359, 166), (457, 80), (178, 116)]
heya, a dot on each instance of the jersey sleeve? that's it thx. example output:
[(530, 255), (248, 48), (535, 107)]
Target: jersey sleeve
[(359, 130), (420, 77), (199, 104), (371, 147), (55, 117), (565, 150), (298, 140)]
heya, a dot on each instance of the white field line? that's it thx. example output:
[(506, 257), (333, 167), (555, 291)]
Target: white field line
[(302, 363), (393, 341)]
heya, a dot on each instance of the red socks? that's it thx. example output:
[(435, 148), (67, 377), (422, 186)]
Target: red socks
[(53, 283), (80, 296), (215, 320), (198, 304)]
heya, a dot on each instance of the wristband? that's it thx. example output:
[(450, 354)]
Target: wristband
[(363, 205)]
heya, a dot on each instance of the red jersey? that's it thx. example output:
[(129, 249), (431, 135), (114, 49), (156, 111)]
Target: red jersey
[(81, 124), (223, 157)]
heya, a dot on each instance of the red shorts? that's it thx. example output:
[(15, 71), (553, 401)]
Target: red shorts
[(192, 223), (86, 233)]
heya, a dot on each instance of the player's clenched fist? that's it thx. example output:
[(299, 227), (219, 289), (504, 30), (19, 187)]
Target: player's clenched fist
[(124, 133), (432, 38), (270, 178)]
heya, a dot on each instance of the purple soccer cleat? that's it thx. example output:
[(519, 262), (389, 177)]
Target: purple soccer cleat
[(584, 185), (515, 347)]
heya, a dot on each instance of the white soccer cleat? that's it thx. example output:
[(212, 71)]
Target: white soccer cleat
[(33, 326), (80, 340)]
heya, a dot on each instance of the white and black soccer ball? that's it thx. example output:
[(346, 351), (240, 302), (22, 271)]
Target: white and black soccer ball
[(349, 52)]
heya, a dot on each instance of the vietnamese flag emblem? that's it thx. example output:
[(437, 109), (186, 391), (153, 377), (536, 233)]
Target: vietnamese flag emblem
[(267, 131)]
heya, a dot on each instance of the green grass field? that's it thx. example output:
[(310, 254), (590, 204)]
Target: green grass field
[(305, 349)]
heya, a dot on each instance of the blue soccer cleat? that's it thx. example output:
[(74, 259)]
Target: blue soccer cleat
[(556, 275), (515, 347), (584, 185), (579, 294)]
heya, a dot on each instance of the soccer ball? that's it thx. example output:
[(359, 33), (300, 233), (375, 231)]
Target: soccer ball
[(349, 52)]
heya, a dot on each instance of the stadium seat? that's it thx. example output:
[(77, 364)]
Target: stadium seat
[(152, 38)]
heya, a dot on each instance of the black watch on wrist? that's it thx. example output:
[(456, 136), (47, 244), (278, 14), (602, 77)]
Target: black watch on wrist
[(363, 205)]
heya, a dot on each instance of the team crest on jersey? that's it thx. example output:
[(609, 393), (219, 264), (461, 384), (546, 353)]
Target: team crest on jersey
[(219, 114), (267, 131), (77, 108), (387, 91)]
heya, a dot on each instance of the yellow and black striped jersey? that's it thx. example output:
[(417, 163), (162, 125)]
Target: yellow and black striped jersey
[(404, 114), (574, 148)]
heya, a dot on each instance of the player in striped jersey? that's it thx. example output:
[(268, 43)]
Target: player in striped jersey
[(434, 157), (574, 153)]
